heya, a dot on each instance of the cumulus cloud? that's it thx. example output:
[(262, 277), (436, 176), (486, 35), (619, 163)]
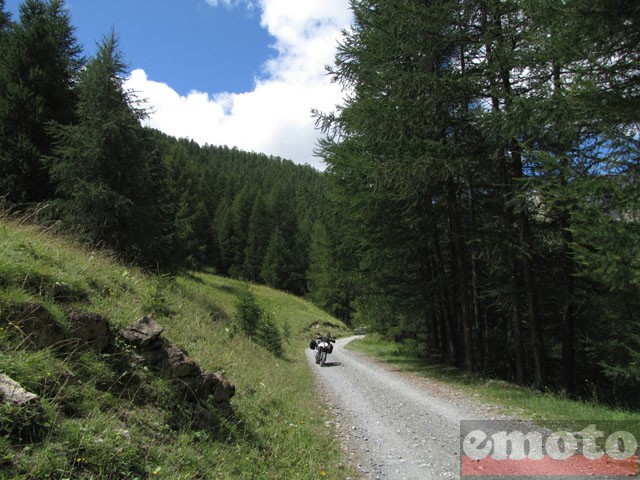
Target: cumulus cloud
[(275, 117)]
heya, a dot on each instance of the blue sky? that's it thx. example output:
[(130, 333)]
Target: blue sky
[(244, 73)]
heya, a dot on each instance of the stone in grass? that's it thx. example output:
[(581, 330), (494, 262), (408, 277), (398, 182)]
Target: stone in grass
[(24, 419), (91, 329), (12, 392)]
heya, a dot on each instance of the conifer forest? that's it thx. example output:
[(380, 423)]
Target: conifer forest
[(480, 199)]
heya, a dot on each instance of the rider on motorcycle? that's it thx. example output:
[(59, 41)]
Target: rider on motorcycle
[(323, 346)]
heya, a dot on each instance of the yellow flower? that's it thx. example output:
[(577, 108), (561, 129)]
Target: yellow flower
[(323, 473)]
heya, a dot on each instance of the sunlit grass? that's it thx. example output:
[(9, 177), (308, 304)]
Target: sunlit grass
[(102, 419)]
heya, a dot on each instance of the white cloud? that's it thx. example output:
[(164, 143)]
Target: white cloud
[(226, 3), (275, 117)]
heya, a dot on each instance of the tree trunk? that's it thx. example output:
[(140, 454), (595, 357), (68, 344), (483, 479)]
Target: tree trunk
[(449, 335), (459, 277), (537, 337), (518, 343), (568, 320), (479, 328)]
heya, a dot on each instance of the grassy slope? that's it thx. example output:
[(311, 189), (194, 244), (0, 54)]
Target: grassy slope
[(105, 418), (517, 401)]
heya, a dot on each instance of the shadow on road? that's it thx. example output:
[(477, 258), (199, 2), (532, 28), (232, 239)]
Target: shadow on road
[(333, 364)]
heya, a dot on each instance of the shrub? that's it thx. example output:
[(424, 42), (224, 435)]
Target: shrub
[(269, 335), (258, 324), (248, 312)]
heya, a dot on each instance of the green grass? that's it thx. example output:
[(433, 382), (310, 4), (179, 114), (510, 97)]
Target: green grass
[(519, 402), (101, 417)]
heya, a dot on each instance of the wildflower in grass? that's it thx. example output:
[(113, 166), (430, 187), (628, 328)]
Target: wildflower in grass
[(323, 473)]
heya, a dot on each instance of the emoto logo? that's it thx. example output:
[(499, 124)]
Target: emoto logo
[(523, 449)]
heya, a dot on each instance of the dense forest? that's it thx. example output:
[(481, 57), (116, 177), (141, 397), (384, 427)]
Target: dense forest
[(481, 195), (484, 198), (72, 147)]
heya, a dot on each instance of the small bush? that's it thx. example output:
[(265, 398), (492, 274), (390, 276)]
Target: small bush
[(156, 301), (248, 312), (269, 335), (258, 324)]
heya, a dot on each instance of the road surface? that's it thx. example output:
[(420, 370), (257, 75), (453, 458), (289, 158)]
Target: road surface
[(394, 426)]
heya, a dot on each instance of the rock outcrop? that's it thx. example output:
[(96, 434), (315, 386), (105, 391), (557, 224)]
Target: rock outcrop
[(173, 362), (35, 326)]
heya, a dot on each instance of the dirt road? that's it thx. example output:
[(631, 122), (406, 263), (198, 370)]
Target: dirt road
[(394, 425)]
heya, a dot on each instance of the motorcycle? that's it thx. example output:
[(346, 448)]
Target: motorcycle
[(323, 345)]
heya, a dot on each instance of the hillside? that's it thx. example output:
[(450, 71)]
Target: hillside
[(102, 415)]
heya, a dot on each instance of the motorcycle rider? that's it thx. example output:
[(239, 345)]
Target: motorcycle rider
[(323, 345)]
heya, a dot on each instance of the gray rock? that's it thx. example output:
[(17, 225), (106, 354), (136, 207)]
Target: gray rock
[(12, 392), (141, 333), (91, 329)]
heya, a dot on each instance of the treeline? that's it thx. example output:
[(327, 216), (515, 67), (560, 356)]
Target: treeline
[(71, 139), (484, 198)]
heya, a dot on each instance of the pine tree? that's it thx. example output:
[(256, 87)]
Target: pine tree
[(102, 164), (275, 266), (240, 217), (258, 235), (486, 167), (39, 66), (404, 146)]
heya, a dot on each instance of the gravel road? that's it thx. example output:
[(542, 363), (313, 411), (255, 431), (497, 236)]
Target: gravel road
[(394, 425)]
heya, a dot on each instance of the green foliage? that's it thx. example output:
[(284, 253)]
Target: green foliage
[(269, 335), (258, 324), (482, 183), (248, 312), (157, 300), (70, 134), (102, 164), (23, 424), (39, 65), (274, 267)]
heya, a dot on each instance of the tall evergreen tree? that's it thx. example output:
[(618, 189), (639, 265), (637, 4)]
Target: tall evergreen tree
[(403, 155), (275, 271), (102, 163), (39, 66), (258, 235)]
